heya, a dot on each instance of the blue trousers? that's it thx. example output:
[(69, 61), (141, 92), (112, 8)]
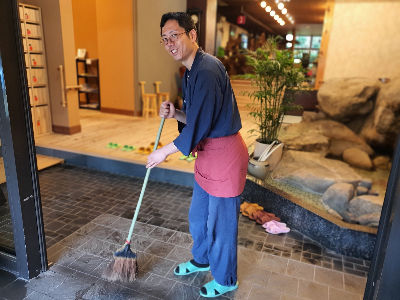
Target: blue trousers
[(213, 224)]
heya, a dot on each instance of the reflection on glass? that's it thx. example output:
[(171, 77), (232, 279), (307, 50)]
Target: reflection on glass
[(302, 41), (316, 42), (299, 53), (313, 55), (6, 229)]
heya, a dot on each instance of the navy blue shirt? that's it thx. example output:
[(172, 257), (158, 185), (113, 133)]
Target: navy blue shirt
[(208, 102)]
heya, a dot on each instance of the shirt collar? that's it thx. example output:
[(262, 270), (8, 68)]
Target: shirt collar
[(197, 59)]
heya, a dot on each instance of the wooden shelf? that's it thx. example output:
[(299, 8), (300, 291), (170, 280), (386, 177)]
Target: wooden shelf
[(87, 71), (88, 75)]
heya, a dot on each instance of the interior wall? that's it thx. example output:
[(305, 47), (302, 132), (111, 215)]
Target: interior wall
[(364, 39), (115, 34), (85, 26), (153, 62)]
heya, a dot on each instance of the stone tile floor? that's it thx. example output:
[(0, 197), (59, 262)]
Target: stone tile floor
[(86, 214), (80, 259)]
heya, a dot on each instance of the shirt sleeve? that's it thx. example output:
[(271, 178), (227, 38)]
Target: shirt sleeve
[(206, 99)]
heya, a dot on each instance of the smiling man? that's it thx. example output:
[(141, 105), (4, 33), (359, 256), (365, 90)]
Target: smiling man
[(209, 125)]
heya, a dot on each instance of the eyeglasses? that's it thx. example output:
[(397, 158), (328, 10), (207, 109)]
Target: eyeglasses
[(172, 38)]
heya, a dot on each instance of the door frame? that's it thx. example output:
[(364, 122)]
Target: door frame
[(18, 151), (384, 274)]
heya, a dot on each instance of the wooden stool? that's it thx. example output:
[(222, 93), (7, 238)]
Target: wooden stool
[(161, 96), (149, 102)]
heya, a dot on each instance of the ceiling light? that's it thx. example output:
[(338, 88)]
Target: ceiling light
[(284, 11), (288, 45), (263, 4), (268, 9), (283, 23), (276, 17), (281, 6), (272, 13), (289, 37)]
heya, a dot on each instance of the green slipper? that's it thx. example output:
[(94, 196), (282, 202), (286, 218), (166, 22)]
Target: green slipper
[(213, 289), (110, 145), (187, 268), (128, 148), (190, 158), (183, 157)]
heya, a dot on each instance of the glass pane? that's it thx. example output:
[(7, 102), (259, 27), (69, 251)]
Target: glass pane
[(244, 41), (303, 41), (298, 53), (316, 42), (6, 230), (313, 55)]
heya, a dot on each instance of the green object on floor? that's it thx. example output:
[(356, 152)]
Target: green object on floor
[(113, 145), (191, 157), (128, 148), (183, 157)]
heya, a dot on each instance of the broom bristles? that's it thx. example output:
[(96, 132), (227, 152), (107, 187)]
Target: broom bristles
[(124, 266)]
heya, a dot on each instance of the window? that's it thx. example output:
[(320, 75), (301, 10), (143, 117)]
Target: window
[(307, 45)]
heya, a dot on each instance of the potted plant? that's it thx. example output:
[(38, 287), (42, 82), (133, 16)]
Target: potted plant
[(274, 71)]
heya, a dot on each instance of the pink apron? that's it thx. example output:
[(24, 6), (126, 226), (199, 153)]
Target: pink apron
[(221, 165)]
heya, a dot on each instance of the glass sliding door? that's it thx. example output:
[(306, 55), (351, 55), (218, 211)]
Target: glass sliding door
[(6, 229), (22, 243)]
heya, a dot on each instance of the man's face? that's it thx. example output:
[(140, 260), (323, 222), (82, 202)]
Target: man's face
[(179, 45)]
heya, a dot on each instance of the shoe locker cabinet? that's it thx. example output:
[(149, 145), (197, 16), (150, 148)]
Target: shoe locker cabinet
[(35, 60)]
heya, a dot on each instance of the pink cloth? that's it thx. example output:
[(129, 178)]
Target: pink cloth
[(221, 165), (275, 227)]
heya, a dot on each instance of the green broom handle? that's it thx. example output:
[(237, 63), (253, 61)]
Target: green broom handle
[(146, 178)]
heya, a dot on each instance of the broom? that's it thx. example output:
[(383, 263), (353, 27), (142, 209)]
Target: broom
[(124, 266)]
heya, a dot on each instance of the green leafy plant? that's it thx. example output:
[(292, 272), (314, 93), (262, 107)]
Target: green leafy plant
[(274, 71)]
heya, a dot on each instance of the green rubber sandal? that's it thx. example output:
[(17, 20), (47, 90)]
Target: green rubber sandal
[(127, 148), (183, 157), (213, 289), (187, 268), (190, 158)]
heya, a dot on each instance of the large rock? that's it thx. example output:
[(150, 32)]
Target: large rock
[(337, 147), (323, 136), (369, 219), (343, 98), (312, 172), (357, 158), (365, 205), (304, 136), (381, 162), (383, 125), (337, 197)]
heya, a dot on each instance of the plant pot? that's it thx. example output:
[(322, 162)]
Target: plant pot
[(259, 148), (260, 169)]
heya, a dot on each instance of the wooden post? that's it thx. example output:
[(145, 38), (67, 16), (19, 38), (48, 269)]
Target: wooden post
[(330, 4)]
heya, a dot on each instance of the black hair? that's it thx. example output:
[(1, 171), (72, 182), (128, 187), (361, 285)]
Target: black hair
[(184, 20)]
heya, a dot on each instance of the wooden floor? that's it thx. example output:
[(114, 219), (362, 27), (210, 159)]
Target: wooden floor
[(99, 129)]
